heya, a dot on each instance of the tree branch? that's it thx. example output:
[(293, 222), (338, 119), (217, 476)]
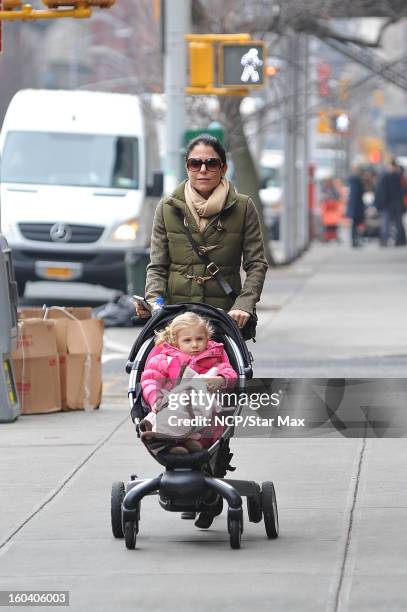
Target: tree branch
[(310, 25)]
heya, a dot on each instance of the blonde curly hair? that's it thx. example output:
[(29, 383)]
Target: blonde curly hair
[(187, 319)]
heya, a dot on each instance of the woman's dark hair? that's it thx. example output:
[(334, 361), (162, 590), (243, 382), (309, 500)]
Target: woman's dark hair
[(209, 141)]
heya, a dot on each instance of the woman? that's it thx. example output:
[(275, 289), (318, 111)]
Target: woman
[(226, 228)]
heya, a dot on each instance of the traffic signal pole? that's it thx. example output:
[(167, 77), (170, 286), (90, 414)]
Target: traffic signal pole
[(303, 213), (290, 149), (294, 217), (176, 16)]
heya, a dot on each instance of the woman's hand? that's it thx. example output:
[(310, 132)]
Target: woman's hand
[(216, 383), (156, 407), (240, 316), (141, 312)]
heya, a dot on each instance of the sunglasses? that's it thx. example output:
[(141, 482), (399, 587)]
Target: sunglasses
[(211, 164)]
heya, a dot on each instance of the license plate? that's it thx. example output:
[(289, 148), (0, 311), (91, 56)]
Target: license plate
[(59, 273), (62, 271)]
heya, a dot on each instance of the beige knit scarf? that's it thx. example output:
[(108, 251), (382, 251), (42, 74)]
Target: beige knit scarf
[(201, 209)]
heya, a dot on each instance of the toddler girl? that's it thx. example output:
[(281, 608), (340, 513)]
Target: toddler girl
[(185, 342)]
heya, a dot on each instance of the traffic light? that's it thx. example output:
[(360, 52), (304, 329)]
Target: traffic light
[(344, 89), (324, 72), (9, 5), (55, 4), (341, 122), (71, 8), (201, 64), (333, 122), (378, 98), (241, 64), (271, 70)]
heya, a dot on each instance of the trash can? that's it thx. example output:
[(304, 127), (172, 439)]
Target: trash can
[(9, 402), (136, 263)]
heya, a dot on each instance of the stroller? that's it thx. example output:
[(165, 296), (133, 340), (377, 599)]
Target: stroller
[(195, 482)]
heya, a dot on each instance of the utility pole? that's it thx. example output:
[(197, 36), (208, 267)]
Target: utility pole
[(288, 221), (294, 221), (303, 213), (176, 21)]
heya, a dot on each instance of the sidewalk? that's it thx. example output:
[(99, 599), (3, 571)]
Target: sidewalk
[(336, 312), (342, 502)]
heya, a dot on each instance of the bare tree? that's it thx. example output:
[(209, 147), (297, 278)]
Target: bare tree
[(18, 62)]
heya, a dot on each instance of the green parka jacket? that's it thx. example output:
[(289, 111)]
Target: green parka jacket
[(233, 238)]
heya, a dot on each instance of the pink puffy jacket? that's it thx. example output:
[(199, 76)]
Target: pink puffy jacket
[(162, 372)]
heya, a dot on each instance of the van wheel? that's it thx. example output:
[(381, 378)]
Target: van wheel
[(21, 288)]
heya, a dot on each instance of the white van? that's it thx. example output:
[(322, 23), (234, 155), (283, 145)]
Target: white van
[(271, 189), (79, 183)]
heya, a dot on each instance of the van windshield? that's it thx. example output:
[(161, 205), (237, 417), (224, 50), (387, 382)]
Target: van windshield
[(80, 160), (269, 177)]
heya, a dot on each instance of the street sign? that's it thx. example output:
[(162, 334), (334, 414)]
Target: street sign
[(216, 132), (242, 64)]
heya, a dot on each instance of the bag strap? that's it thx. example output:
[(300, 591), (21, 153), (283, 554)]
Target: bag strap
[(211, 267)]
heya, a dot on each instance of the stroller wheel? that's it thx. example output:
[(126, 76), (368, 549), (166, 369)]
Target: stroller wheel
[(270, 512), (235, 533), (235, 529), (254, 506), (130, 534), (116, 500)]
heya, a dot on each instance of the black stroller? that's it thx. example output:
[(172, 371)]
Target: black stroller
[(194, 482)]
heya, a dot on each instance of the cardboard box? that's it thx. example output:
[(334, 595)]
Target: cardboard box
[(36, 367), (79, 340), (55, 312), (80, 345)]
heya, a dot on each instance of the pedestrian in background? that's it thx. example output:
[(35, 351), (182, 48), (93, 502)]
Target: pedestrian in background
[(404, 188), (331, 210), (389, 202), (356, 208)]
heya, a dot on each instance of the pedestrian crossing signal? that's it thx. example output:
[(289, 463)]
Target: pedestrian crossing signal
[(333, 122), (242, 64)]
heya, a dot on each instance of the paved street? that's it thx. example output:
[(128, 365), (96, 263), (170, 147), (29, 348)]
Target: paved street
[(337, 313)]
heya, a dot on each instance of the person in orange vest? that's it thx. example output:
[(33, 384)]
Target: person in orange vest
[(331, 210)]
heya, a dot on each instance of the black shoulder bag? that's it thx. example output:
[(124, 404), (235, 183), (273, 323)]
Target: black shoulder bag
[(249, 330)]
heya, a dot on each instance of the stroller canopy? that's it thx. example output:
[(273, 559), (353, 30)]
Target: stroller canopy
[(223, 324)]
